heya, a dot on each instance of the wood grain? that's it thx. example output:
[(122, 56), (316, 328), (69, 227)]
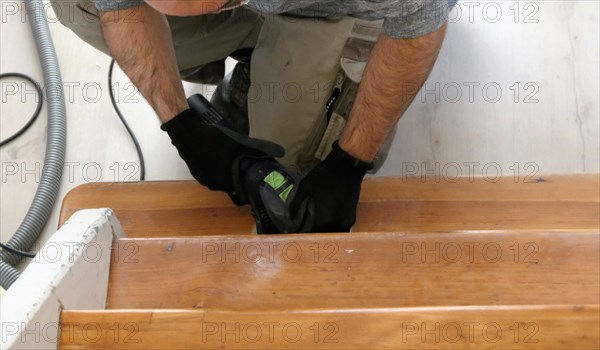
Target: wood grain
[(153, 209), (358, 270), (481, 327), (184, 208)]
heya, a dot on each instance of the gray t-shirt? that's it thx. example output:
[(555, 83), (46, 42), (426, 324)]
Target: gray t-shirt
[(402, 18)]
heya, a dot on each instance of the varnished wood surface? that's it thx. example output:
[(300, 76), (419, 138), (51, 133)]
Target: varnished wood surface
[(482, 327), (358, 270), (184, 208), (154, 209)]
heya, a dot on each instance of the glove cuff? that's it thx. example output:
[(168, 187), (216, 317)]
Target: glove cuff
[(178, 119), (340, 158)]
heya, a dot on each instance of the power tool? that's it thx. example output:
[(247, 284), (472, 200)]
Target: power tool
[(266, 183)]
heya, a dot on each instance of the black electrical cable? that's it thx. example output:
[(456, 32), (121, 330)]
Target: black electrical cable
[(16, 135), (133, 138), (37, 113), (16, 251), (38, 109)]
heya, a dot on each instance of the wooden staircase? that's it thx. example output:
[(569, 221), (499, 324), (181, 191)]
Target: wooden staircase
[(469, 264)]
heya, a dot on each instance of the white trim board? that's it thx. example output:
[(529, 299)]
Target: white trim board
[(69, 272)]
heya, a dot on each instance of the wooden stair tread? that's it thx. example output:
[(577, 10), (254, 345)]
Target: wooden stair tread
[(184, 208), (153, 208), (358, 270), (528, 265), (482, 327)]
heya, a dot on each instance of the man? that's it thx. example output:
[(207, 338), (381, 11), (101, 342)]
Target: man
[(318, 70)]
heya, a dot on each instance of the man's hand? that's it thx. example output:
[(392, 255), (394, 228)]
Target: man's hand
[(328, 194), (213, 152)]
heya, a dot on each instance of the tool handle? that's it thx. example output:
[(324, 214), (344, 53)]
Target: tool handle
[(208, 114)]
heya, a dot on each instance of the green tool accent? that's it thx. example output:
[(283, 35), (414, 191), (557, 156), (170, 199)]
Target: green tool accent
[(284, 195), (275, 180)]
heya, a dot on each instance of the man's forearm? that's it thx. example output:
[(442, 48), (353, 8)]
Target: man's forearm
[(140, 41), (394, 74)]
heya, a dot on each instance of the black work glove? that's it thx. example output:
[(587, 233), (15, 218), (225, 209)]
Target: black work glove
[(213, 152), (327, 195)]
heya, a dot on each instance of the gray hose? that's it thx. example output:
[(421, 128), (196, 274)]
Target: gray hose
[(8, 274), (47, 191)]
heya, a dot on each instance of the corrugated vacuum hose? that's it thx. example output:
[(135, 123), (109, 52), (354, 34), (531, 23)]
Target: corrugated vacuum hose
[(43, 202)]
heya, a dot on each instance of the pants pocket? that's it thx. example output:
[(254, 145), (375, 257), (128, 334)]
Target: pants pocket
[(337, 110)]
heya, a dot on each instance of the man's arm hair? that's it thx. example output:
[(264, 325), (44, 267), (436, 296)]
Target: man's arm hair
[(394, 74), (139, 39)]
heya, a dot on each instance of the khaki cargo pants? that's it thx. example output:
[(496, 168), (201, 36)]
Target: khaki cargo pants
[(304, 71)]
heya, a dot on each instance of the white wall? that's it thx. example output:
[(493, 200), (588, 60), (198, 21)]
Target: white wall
[(557, 133)]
